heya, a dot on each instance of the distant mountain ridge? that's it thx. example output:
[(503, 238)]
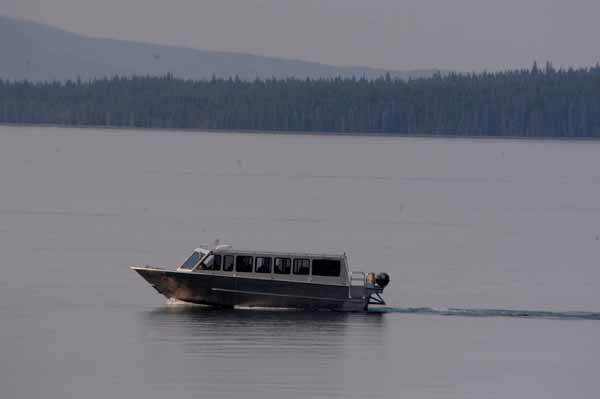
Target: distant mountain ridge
[(39, 52)]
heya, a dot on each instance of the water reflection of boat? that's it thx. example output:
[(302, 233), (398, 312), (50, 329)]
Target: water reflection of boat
[(247, 278), (259, 337)]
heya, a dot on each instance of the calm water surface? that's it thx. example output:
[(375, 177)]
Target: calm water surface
[(493, 248)]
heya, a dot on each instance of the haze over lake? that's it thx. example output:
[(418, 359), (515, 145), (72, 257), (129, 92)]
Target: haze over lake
[(499, 229)]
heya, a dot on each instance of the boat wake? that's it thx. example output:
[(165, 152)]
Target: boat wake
[(471, 312), (176, 303)]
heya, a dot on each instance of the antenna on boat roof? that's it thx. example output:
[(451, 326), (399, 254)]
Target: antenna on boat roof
[(217, 245)]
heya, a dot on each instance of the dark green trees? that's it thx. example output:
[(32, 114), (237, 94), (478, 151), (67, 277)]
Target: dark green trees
[(530, 103)]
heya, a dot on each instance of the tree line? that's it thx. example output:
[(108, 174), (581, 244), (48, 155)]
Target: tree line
[(535, 102)]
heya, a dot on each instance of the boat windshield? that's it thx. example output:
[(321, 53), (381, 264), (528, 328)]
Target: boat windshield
[(192, 260)]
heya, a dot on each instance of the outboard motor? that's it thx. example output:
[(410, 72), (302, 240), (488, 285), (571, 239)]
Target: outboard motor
[(375, 286), (382, 279)]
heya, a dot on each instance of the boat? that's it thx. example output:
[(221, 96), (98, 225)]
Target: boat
[(226, 277)]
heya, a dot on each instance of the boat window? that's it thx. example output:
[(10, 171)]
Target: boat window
[(192, 260), (228, 263), (302, 266), (326, 267), (283, 265), (243, 264), (217, 263), (262, 265), (212, 262)]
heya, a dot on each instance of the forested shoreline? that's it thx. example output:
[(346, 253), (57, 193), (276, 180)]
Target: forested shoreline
[(538, 102)]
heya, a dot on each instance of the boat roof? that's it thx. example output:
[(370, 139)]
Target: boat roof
[(246, 251)]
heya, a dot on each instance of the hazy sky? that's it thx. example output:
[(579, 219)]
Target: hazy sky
[(401, 34)]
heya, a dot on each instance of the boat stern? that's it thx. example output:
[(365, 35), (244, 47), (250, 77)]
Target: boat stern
[(368, 286)]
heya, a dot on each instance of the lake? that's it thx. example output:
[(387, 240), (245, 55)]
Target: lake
[(493, 247)]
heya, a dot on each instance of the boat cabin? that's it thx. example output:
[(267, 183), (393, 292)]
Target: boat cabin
[(329, 269)]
